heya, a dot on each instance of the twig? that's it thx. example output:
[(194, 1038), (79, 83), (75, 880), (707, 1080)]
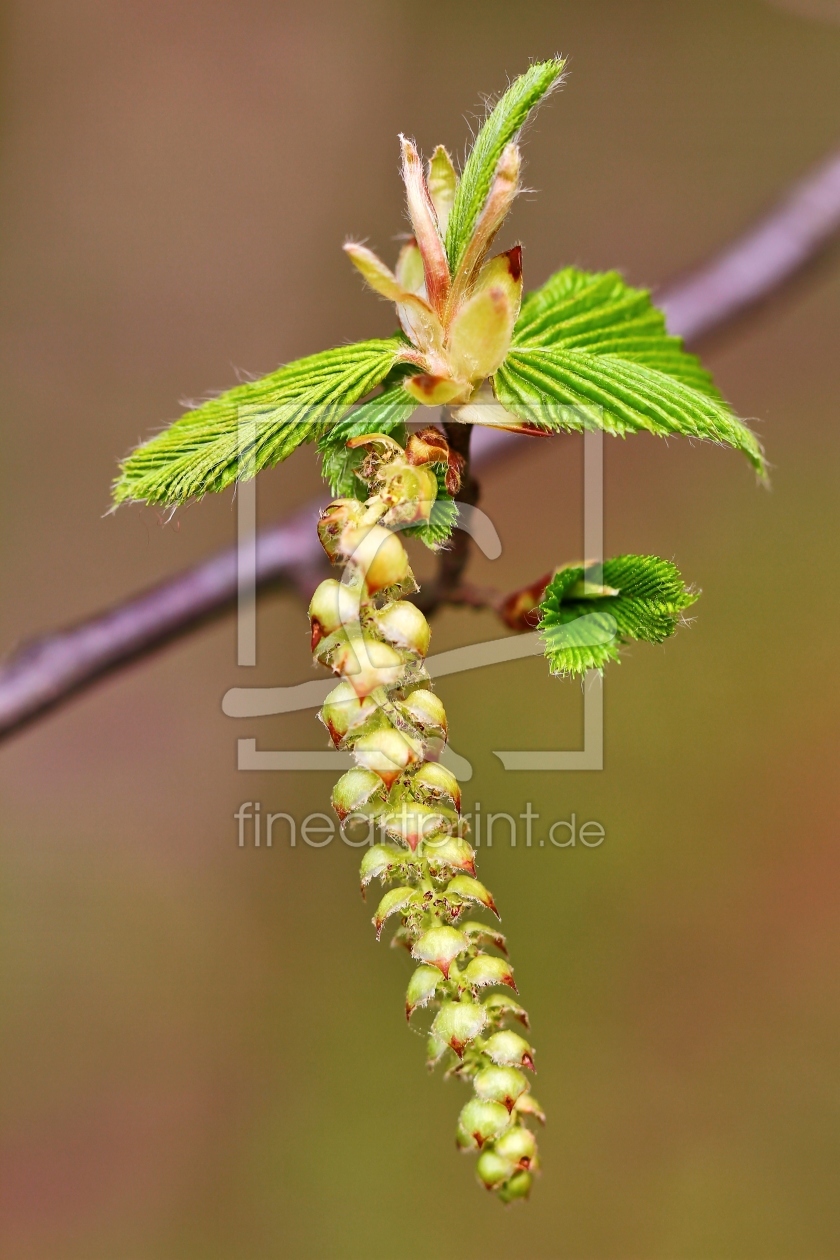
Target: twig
[(453, 561), (45, 672)]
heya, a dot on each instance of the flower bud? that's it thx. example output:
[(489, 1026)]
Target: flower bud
[(380, 861), (354, 792), (470, 889), (343, 712), (481, 934), (519, 1146), (518, 1187), (492, 1170), (365, 663), (424, 710), (333, 605), (379, 557), (413, 822), (527, 1105), (409, 492), (498, 1005), (440, 946), (459, 1023), (435, 781), (403, 625), (448, 853), (481, 1122), (421, 988), (334, 519), (324, 616), (485, 969), (427, 446), (387, 752), (508, 1049), (500, 1084), (395, 899)]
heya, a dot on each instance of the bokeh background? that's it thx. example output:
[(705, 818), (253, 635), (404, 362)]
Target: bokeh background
[(203, 1052)]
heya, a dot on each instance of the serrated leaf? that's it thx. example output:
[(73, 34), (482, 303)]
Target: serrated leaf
[(589, 351), (253, 426), (387, 413), (582, 631), (501, 126)]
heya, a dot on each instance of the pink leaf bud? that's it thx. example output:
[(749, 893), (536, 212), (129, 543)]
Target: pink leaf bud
[(424, 222)]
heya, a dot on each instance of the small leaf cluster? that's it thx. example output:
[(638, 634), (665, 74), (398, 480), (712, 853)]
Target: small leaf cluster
[(588, 613), (584, 351)]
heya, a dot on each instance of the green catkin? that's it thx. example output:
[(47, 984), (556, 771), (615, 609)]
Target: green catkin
[(384, 712)]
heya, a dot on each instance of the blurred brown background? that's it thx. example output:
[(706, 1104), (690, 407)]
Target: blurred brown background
[(203, 1052)]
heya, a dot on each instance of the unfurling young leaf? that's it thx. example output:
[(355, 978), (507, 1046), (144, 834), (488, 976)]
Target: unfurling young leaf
[(501, 126), (583, 625)]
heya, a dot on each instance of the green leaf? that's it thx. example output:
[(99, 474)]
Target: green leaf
[(591, 352), (386, 413), (253, 426), (583, 628), (501, 126)]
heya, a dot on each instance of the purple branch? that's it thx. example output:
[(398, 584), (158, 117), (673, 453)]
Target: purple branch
[(47, 671)]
